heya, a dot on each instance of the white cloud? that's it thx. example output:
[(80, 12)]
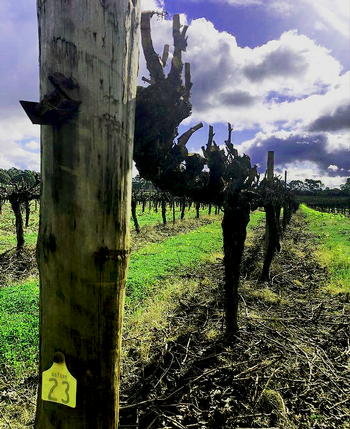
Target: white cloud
[(15, 156), (156, 5), (15, 128), (307, 170), (320, 26), (296, 149), (33, 145), (289, 83), (333, 168), (260, 86), (334, 13)]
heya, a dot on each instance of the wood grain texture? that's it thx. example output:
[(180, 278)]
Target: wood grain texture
[(83, 246)]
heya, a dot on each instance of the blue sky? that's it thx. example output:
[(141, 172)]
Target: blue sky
[(278, 70)]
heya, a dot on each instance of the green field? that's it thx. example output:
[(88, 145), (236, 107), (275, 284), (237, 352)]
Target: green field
[(150, 267), (332, 238)]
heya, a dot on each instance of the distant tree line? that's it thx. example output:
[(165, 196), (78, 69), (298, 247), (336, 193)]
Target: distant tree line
[(316, 187), (319, 197), (19, 187)]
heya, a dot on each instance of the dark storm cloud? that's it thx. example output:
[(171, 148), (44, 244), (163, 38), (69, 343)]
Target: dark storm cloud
[(282, 62), (237, 98), (338, 121), (299, 148), (208, 81)]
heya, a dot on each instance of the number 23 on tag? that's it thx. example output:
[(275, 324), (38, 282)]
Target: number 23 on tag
[(59, 385)]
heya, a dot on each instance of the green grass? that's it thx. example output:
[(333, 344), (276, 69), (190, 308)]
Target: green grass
[(332, 232), (19, 325), (255, 218), (153, 269), (150, 217), (156, 261)]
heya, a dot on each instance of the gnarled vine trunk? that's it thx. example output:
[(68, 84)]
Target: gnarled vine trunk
[(134, 216), (16, 207), (272, 242), (234, 228)]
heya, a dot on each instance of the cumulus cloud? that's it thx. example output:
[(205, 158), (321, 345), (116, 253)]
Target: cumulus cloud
[(290, 83), (224, 74), (295, 148), (305, 169), (282, 61), (32, 145), (19, 138), (333, 167)]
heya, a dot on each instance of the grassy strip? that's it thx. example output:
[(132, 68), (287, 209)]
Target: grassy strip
[(155, 267), (332, 234), (150, 217), (157, 261), (19, 326)]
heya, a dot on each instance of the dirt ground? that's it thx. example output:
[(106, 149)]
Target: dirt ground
[(288, 367)]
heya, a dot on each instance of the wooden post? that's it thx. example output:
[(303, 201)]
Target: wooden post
[(84, 243), (270, 165), (285, 178)]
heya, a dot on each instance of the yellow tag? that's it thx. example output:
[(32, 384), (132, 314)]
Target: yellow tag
[(59, 385)]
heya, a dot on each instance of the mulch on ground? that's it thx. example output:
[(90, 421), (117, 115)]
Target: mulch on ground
[(287, 368)]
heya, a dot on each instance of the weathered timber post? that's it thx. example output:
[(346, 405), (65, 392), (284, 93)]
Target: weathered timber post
[(270, 166), (83, 245)]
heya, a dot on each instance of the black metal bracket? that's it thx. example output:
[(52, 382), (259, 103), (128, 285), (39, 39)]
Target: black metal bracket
[(57, 106)]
